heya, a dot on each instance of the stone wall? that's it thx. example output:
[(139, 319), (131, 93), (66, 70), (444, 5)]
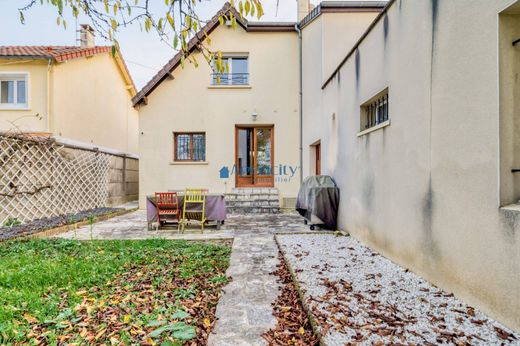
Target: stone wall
[(123, 181)]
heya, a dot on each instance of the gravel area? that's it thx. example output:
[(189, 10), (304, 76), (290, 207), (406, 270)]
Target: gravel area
[(358, 296), (42, 224)]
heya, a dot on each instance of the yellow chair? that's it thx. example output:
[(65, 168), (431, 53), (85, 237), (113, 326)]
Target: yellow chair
[(194, 205)]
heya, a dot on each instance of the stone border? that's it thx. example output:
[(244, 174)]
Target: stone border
[(65, 228), (315, 327)]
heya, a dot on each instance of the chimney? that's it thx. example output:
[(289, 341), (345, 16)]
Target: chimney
[(87, 36), (304, 7)]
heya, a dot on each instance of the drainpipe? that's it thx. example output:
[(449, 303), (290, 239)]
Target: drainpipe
[(49, 85), (300, 92)]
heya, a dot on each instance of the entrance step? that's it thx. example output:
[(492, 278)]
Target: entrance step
[(253, 201)]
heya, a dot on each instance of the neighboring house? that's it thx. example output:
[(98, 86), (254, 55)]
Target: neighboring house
[(418, 125), (244, 131), (80, 93)]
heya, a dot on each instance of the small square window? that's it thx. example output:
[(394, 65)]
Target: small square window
[(13, 90), (189, 146)]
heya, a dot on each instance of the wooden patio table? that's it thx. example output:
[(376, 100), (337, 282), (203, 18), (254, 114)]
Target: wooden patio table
[(215, 208)]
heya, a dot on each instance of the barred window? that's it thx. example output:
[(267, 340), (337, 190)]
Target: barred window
[(189, 146), (375, 111)]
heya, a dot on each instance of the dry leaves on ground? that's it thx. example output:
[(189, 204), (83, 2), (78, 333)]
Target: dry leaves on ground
[(293, 327)]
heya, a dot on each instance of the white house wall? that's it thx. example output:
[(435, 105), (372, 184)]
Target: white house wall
[(424, 190)]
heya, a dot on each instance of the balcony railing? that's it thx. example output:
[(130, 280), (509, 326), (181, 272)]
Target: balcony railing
[(230, 78)]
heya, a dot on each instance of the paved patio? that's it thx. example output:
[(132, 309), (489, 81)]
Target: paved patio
[(244, 311)]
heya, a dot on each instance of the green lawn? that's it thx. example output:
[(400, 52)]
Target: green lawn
[(147, 292)]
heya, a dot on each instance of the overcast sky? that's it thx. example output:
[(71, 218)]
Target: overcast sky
[(143, 52)]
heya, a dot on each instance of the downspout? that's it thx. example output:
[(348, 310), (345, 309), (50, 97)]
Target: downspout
[(300, 94), (49, 67)]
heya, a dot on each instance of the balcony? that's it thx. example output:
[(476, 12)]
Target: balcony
[(223, 79)]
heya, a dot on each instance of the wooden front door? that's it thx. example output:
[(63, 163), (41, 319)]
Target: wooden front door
[(254, 156), (318, 158)]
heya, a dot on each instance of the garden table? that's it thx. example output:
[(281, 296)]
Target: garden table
[(215, 208)]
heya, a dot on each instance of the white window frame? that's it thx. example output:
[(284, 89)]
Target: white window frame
[(365, 126), (228, 59), (16, 76)]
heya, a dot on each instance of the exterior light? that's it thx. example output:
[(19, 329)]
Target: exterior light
[(254, 115)]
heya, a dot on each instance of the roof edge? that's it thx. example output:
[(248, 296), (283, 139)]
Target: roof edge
[(341, 7), (211, 25), (359, 41)]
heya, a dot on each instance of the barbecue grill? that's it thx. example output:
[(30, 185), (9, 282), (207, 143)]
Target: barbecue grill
[(318, 201)]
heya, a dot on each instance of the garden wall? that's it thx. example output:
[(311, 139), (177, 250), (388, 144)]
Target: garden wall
[(45, 177)]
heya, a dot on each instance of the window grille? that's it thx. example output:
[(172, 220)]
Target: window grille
[(190, 147), (375, 111)]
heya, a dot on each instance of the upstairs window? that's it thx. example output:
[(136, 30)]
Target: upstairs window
[(189, 146), (236, 71), (13, 90), (375, 111)]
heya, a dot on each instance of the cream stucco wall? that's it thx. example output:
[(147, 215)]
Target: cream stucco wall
[(91, 103), (424, 190), (26, 119), (186, 103), (325, 42), (84, 99)]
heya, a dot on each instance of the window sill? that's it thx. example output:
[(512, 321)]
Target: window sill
[(229, 87), (374, 128), (189, 163), (511, 207), (9, 108)]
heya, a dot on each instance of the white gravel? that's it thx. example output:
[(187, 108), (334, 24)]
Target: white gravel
[(358, 296)]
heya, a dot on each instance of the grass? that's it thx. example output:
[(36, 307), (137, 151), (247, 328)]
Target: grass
[(49, 287)]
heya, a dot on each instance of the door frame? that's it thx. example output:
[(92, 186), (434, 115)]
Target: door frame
[(267, 180)]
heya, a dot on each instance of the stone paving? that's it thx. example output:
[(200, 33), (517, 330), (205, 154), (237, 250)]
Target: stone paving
[(244, 311)]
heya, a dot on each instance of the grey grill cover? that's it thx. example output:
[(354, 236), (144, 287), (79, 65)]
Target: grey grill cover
[(319, 197)]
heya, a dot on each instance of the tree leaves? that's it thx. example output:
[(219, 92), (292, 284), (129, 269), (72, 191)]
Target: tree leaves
[(109, 17)]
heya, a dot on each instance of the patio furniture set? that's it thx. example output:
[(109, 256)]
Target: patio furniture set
[(180, 208)]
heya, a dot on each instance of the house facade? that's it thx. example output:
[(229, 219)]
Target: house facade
[(78, 93), (239, 129), (417, 123)]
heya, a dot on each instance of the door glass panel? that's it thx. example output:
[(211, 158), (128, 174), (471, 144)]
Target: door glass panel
[(239, 69), (245, 152), (263, 152)]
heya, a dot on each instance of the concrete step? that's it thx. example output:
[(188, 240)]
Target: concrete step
[(253, 210), (253, 201)]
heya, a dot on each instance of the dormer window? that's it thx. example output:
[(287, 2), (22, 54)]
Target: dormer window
[(237, 71), (13, 90)]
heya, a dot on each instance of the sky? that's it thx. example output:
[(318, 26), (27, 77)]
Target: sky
[(143, 52)]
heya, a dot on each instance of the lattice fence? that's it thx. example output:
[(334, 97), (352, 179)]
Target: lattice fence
[(39, 178)]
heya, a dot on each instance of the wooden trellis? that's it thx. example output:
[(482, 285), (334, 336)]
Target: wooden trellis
[(40, 178)]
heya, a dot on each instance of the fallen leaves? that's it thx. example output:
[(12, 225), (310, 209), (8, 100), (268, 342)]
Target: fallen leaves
[(293, 327), (164, 301)]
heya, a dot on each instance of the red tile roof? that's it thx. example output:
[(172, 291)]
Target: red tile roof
[(58, 53), (64, 53)]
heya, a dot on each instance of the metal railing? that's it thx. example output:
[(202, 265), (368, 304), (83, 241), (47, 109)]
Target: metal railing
[(230, 78), (377, 111)]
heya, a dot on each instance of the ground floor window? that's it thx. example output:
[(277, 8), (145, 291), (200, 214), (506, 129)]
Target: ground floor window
[(189, 146), (375, 111)]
